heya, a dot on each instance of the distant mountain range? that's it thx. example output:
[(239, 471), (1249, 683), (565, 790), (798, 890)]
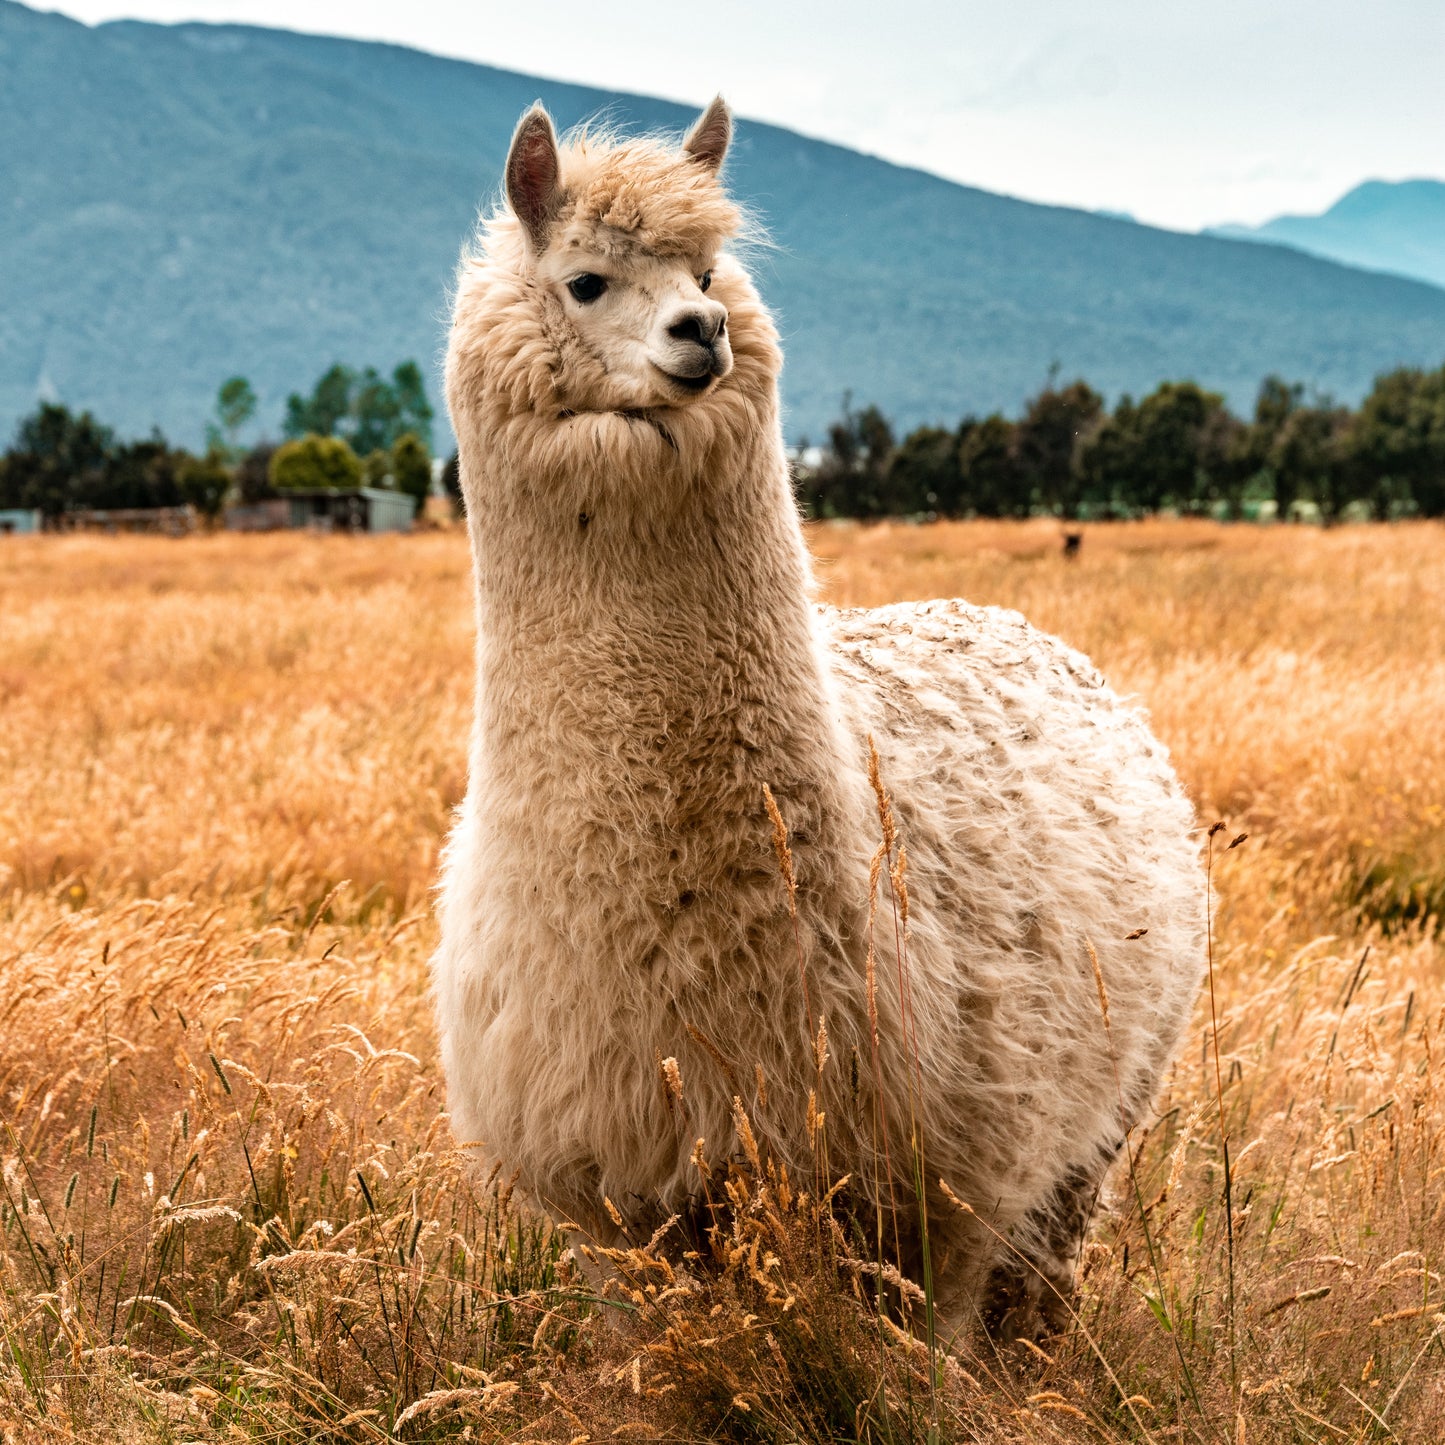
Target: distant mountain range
[(181, 203), (1394, 226)]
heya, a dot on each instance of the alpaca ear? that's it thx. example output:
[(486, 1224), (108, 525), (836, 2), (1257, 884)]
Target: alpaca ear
[(533, 174), (707, 141)]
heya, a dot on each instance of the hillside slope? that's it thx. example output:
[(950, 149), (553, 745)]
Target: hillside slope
[(1394, 226), (186, 202)]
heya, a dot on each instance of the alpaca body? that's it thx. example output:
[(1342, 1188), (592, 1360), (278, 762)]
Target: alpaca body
[(648, 659)]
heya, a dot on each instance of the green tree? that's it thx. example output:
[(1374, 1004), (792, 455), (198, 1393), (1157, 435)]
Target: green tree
[(411, 467), (235, 406), (375, 414), (253, 474), (1228, 460), (142, 474), (1171, 425), (1049, 438), (364, 408), (204, 482), (922, 473), (851, 478), (414, 411), (992, 481), (1108, 458), (315, 462), (1314, 457), (1156, 453), (1400, 441), (325, 409), (59, 462), (376, 470), (1276, 402)]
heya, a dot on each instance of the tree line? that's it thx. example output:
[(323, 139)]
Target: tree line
[(1067, 455), (1178, 448), (354, 428)]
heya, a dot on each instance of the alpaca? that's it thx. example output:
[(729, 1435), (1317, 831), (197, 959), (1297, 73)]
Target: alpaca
[(648, 658)]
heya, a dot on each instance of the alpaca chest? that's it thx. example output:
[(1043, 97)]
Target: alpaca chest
[(637, 754)]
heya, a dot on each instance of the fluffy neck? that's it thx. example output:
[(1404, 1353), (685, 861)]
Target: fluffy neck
[(646, 658), (651, 596)]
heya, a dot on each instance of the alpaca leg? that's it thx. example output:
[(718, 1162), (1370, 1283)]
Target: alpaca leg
[(961, 1246), (1030, 1294)]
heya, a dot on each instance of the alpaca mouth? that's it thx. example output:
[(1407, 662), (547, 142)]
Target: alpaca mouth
[(694, 384)]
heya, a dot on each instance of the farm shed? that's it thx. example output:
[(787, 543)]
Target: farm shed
[(363, 509), (166, 521), (18, 519)]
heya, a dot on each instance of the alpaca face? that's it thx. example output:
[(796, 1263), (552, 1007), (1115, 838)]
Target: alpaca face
[(622, 249), (647, 321)]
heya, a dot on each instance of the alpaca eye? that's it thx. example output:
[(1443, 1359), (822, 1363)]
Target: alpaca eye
[(704, 281), (586, 287)]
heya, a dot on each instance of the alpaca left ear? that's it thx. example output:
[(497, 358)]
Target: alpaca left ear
[(707, 141), (533, 174)]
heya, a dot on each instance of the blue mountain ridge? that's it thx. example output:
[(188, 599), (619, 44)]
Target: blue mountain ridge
[(1392, 226), (182, 203)]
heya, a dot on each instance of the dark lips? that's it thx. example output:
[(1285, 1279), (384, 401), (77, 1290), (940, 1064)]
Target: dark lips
[(690, 383)]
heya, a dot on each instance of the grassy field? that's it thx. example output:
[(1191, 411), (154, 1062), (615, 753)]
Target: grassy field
[(231, 1208)]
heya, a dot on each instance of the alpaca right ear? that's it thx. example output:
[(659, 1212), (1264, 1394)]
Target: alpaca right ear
[(533, 174), (707, 142)]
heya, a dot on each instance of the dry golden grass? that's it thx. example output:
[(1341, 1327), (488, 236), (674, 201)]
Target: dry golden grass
[(231, 1210)]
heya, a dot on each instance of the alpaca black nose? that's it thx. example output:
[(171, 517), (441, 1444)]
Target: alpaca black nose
[(702, 328)]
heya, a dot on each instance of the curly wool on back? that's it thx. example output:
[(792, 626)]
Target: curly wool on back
[(648, 658)]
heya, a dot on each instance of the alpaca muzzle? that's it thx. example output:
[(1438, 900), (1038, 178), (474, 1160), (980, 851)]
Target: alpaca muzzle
[(696, 351)]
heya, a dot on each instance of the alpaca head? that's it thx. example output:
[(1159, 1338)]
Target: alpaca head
[(622, 242), (611, 257)]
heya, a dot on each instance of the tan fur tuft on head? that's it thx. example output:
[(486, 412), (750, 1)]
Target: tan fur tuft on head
[(652, 195), (667, 201)]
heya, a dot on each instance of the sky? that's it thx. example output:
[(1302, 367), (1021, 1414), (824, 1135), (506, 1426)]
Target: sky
[(1183, 113)]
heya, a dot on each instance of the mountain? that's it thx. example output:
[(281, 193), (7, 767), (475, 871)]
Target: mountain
[(1394, 226), (182, 203)]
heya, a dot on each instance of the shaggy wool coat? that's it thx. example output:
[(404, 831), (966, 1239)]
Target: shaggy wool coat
[(649, 656)]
